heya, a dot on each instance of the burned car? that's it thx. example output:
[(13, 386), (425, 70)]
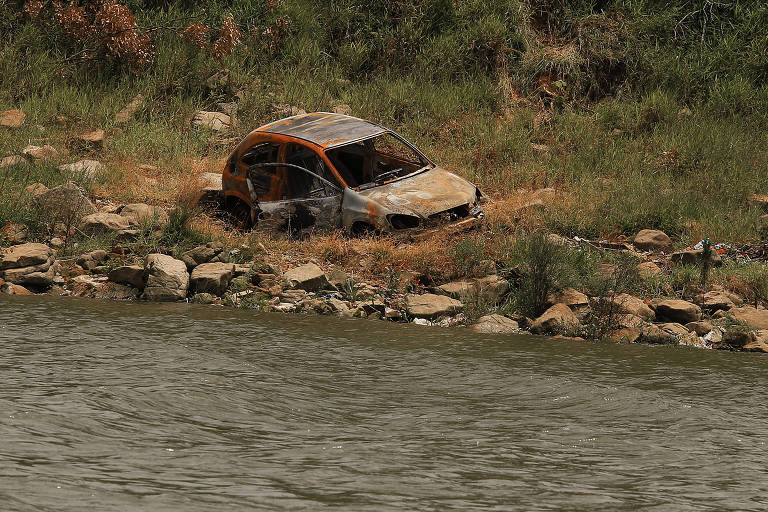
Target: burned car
[(324, 170)]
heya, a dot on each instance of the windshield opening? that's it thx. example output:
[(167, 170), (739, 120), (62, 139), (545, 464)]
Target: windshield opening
[(376, 160)]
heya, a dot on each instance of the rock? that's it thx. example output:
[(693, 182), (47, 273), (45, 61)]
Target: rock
[(574, 299), (91, 260), (129, 111), (36, 189), (25, 255), (131, 275), (12, 118), (625, 335), (430, 305), (701, 328), (14, 289), (241, 269), (211, 278), (630, 305), (85, 286), (759, 343), (88, 169), (138, 213), (210, 181), (91, 141), (677, 310), (14, 232), (103, 223), (308, 277), (56, 242), (492, 289), (753, 317), (342, 109), (557, 319), (210, 188), (625, 321), (675, 329), (421, 321), (695, 257), (717, 300), (216, 121), (201, 254), (652, 240), (167, 278), (66, 203), (648, 269), (292, 296), (495, 324), (39, 154), (337, 305), (654, 334), (392, 314), (40, 276), (228, 108), (10, 161), (337, 278), (457, 289)]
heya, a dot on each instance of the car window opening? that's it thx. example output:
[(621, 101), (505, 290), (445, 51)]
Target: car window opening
[(375, 161), (302, 184)]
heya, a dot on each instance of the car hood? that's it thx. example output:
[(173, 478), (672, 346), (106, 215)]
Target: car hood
[(423, 194)]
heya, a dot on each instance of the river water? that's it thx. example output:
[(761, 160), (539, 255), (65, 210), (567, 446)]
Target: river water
[(128, 406)]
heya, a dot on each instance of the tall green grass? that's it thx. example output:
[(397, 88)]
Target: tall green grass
[(645, 114)]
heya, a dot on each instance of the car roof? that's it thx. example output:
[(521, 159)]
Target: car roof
[(324, 129)]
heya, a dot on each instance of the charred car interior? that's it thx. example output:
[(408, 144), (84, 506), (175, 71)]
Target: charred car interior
[(325, 171)]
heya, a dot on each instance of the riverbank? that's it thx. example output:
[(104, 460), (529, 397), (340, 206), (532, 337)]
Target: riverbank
[(583, 127), (724, 311)]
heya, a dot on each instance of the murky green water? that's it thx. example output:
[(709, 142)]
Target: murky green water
[(110, 406)]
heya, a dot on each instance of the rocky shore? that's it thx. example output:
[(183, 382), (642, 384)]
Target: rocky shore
[(213, 274)]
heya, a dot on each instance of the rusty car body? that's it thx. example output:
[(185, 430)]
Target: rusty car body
[(323, 170)]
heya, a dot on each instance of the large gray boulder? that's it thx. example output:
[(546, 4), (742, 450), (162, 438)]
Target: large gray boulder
[(166, 278), (211, 278), (307, 277), (430, 305)]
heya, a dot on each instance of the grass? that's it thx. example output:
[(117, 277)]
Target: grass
[(639, 115)]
